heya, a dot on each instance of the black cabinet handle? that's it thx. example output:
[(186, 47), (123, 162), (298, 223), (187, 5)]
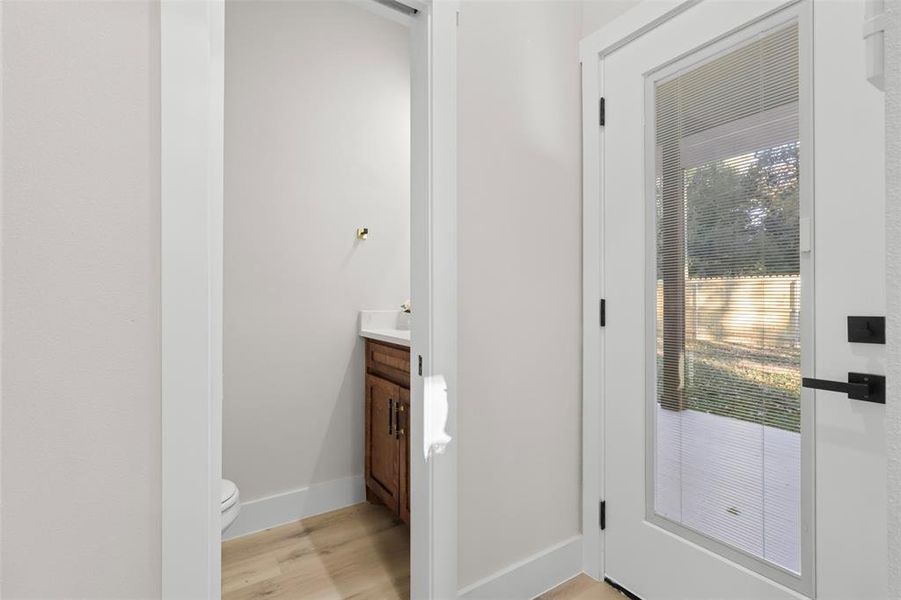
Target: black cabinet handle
[(390, 415), (860, 386)]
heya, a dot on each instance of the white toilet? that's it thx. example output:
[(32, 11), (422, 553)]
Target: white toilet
[(231, 504)]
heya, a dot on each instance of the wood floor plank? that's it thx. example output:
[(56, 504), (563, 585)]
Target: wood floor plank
[(353, 521), (359, 552), (239, 574)]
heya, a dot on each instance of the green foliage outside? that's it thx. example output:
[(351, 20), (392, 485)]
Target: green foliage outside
[(742, 220)]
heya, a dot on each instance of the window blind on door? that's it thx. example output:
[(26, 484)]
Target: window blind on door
[(728, 345)]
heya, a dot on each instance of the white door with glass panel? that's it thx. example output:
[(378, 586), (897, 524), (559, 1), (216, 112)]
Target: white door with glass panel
[(742, 194)]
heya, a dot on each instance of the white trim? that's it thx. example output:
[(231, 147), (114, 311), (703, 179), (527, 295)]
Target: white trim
[(287, 507), (532, 576), (2, 139), (192, 98), (191, 105), (433, 495), (893, 290), (592, 346)]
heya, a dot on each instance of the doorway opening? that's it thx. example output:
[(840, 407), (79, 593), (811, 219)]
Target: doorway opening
[(316, 300), (197, 124)]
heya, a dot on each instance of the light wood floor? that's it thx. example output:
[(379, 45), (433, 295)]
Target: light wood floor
[(583, 587), (358, 552)]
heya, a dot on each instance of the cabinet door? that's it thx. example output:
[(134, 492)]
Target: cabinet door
[(404, 458), (382, 440)]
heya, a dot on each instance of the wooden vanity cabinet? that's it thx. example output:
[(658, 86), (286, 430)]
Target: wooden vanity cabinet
[(382, 465), (387, 410), (403, 499)]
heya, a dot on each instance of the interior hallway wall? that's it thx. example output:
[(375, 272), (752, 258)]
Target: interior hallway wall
[(317, 138), (81, 291), (519, 256), (519, 228)]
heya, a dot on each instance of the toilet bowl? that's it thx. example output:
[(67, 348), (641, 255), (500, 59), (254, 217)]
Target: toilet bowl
[(230, 505)]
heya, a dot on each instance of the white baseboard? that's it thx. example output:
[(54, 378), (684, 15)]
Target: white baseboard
[(287, 507), (530, 577)]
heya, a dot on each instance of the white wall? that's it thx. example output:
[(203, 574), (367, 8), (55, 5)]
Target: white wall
[(597, 13), (80, 319), (317, 137), (893, 290), (519, 251)]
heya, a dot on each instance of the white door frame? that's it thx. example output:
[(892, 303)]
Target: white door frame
[(631, 25), (192, 114)]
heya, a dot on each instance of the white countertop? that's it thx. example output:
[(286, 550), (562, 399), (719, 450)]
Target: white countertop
[(390, 326)]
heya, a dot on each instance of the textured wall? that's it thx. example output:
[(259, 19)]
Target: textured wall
[(317, 143), (81, 288), (893, 290)]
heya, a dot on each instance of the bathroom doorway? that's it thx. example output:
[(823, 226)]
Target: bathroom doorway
[(306, 361), (317, 310)]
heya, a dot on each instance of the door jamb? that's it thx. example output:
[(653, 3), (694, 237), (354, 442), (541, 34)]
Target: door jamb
[(192, 36), (639, 20)]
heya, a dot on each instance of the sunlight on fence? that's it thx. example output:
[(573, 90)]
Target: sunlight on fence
[(742, 348), (752, 312)]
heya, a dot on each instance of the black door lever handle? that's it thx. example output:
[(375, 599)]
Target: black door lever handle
[(860, 386)]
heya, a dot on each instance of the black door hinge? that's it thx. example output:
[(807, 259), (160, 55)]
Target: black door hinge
[(420, 365), (602, 112), (602, 514), (603, 312)]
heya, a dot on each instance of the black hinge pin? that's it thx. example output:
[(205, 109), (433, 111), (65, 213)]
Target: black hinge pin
[(603, 312), (602, 517), (420, 365), (602, 112)]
